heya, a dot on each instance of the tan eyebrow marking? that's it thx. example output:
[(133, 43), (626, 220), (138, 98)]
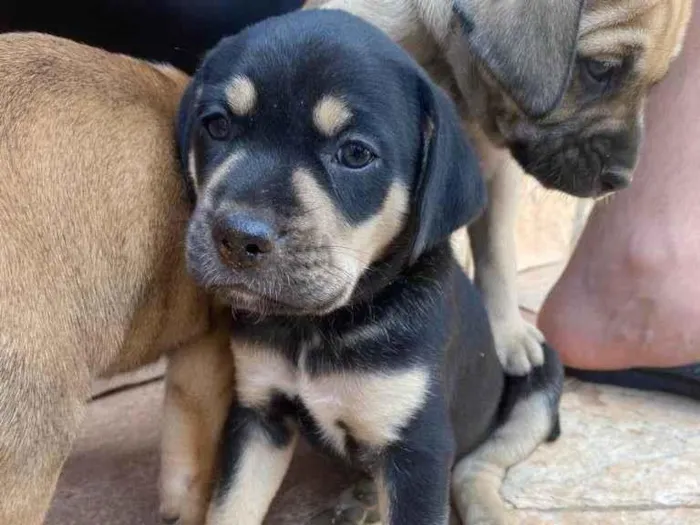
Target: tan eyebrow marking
[(330, 115), (241, 95)]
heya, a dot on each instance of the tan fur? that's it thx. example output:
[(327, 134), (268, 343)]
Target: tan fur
[(335, 397), (654, 28), (657, 27), (477, 478), (92, 276), (359, 245), (199, 391), (331, 114), (260, 372), (220, 173), (260, 472), (241, 96)]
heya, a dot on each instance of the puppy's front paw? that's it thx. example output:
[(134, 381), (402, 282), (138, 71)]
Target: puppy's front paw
[(519, 345), (356, 506)]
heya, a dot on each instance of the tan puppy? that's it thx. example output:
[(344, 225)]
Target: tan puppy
[(552, 87), (92, 273)]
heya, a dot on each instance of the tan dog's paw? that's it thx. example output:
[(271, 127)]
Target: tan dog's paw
[(519, 346), (182, 501), (356, 506)]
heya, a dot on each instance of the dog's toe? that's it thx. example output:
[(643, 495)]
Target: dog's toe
[(519, 346)]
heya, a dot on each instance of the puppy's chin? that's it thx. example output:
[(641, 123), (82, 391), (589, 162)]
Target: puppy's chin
[(242, 298)]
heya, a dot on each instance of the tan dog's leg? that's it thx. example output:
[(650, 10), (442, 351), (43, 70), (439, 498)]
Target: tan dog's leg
[(199, 391), (492, 237), (42, 402)]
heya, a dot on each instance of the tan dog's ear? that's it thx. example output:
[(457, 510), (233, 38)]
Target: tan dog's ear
[(529, 46)]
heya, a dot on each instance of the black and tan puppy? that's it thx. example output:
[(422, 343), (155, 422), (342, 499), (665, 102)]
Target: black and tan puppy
[(329, 173)]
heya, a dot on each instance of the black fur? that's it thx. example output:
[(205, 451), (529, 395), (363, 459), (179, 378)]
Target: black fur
[(412, 308)]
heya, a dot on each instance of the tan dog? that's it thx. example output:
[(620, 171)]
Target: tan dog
[(92, 273), (552, 87)]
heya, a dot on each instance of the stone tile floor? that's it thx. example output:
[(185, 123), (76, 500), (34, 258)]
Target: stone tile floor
[(624, 457)]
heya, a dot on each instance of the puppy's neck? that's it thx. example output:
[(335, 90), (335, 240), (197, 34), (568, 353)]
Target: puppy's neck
[(410, 294)]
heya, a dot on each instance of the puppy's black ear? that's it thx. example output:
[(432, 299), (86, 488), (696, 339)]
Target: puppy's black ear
[(185, 120), (529, 46), (450, 191)]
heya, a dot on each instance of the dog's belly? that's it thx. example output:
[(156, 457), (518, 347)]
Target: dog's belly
[(368, 407)]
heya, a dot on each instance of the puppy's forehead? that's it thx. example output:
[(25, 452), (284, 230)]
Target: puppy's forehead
[(308, 65)]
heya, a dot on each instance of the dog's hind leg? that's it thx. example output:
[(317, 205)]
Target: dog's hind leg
[(199, 391), (531, 418), (42, 403)]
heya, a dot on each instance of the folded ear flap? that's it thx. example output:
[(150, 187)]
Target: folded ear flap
[(450, 191), (185, 121), (529, 46)]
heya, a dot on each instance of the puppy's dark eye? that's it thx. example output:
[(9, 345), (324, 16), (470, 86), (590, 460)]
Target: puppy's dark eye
[(217, 125), (599, 71), (355, 155)]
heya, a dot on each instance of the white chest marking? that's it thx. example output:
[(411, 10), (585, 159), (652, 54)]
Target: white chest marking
[(375, 407)]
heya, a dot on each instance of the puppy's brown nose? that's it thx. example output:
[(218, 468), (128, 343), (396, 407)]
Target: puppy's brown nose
[(243, 240)]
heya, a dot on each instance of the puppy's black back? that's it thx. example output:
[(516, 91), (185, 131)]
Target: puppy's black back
[(473, 377)]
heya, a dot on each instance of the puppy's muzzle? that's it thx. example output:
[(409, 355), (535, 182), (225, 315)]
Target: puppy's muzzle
[(243, 240), (580, 166)]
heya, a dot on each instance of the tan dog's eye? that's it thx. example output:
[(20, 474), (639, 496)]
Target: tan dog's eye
[(355, 155), (599, 71), (218, 126)]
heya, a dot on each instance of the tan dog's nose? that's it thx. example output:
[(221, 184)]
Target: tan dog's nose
[(243, 240), (611, 181)]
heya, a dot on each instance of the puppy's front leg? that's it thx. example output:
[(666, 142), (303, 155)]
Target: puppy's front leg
[(414, 475), (257, 448), (492, 236)]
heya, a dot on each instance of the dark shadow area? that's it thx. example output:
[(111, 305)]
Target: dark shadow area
[(174, 31)]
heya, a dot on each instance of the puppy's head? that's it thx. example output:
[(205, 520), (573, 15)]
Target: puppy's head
[(318, 153), (563, 83)]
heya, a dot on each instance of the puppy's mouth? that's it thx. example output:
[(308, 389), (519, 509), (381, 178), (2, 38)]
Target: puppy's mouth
[(241, 297)]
